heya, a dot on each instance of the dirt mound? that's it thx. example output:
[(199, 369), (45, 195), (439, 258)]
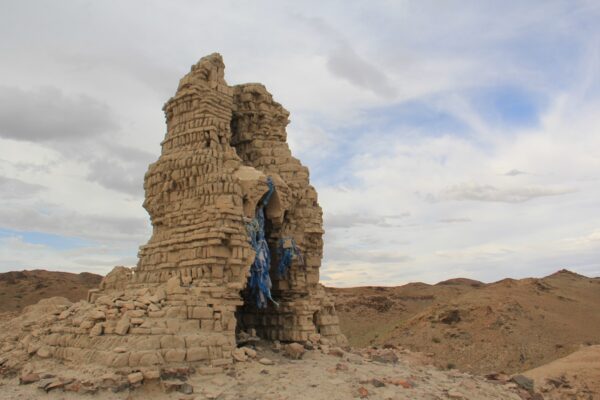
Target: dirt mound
[(19, 289), (510, 325), (576, 376)]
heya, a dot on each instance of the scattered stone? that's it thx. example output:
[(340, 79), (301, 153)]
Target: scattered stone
[(97, 330), (386, 356), (186, 388), (160, 294), (377, 382), (400, 382), (174, 286), (249, 352), (239, 355), (52, 383), (169, 386), (97, 315), (498, 376), (314, 338), (354, 358), (363, 392), (74, 387), (523, 381), (122, 326), (43, 383), (342, 367), (28, 378), (336, 351), (294, 350), (276, 346), (266, 361)]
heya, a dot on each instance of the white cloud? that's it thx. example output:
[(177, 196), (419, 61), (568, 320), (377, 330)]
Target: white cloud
[(478, 192)]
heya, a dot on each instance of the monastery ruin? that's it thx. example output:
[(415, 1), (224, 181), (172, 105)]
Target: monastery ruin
[(236, 244)]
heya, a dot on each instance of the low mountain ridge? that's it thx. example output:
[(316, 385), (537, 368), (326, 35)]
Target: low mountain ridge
[(510, 325), (19, 289)]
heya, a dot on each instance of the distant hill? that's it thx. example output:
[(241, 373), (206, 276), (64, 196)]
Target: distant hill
[(22, 288), (510, 325)]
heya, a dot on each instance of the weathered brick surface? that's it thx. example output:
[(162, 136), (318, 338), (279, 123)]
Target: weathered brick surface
[(186, 298)]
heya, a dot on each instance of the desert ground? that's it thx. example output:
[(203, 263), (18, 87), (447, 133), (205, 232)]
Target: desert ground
[(458, 339)]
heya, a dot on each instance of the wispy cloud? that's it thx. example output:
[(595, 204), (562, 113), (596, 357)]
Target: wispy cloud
[(392, 105), (515, 172), (47, 114), (16, 189), (477, 192)]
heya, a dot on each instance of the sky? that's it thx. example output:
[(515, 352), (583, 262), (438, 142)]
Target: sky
[(445, 138)]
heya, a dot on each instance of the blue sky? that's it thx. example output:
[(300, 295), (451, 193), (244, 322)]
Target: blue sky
[(445, 139), (52, 241)]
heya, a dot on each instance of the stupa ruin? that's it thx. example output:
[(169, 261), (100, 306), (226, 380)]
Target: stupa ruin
[(236, 243)]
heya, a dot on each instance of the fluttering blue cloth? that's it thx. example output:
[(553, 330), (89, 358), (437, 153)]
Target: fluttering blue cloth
[(260, 281), (287, 252)]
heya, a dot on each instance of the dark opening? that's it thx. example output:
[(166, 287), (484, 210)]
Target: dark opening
[(248, 315)]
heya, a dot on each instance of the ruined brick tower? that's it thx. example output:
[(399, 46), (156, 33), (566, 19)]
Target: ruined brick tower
[(224, 158), (222, 143)]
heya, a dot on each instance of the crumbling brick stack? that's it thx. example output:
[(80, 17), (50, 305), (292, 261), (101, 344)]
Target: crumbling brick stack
[(187, 297), (259, 137)]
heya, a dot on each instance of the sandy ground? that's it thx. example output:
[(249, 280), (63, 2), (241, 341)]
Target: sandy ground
[(316, 376)]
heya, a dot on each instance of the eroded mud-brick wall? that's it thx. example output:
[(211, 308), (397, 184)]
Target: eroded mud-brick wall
[(188, 294), (259, 137)]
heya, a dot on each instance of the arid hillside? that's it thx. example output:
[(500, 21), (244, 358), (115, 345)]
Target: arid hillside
[(19, 289), (510, 325), (570, 376)]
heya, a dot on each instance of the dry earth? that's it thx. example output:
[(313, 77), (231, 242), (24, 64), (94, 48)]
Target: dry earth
[(570, 376), (509, 326), (271, 375)]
